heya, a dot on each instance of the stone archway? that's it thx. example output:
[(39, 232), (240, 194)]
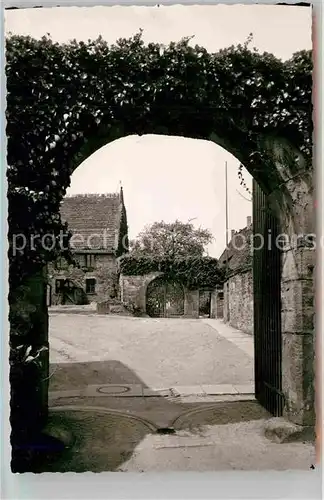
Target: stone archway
[(180, 91)]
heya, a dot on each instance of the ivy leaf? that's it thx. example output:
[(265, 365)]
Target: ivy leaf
[(64, 101)]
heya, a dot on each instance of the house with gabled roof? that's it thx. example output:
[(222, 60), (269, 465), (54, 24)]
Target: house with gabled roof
[(238, 286), (98, 223)]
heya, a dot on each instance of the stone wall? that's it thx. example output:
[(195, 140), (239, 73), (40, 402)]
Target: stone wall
[(217, 304), (106, 260), (191, 304), (105, 265), (220, 305), (298, 334), (238, 301), (133, 290)]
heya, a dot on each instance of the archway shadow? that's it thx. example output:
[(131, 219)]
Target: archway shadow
[(102, 431)]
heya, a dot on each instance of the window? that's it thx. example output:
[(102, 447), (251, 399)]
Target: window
[(87, 260), (59, 284), (90, 260), (90, 285)]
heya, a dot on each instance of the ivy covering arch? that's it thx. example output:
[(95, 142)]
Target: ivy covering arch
[(65, 101), (193, 272)]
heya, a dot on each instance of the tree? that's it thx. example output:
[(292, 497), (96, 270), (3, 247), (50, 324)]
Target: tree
[(171, 240)]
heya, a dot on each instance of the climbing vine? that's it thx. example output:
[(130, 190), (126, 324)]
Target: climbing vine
[(194, 272), (242, 181), (64, 101)]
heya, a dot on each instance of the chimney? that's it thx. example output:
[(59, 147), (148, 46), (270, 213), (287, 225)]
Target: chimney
[(249, 221), (232, 233)]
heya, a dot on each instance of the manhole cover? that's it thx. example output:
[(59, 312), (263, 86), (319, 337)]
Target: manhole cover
[(113, 389)]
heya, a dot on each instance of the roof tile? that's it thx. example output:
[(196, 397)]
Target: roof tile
[(238, 255), (93, 219)]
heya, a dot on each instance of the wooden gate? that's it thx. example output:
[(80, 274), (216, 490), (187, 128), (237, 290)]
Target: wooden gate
[(164, 299), (267, 305)]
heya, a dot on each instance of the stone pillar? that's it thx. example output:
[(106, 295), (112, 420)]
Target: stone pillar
[(191, 304), (121, 288), (144, 282), (220, 305), (29, 380), (298, 336), (226, 301), (213, 304)]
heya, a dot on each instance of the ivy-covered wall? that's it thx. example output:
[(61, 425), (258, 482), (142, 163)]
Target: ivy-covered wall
[(196, 272), (254, 105), (29, 370), (192, 273), (133, 291)]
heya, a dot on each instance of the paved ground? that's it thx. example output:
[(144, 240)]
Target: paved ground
[(239, 446), (153, 352), (117, 383), (221, 438)]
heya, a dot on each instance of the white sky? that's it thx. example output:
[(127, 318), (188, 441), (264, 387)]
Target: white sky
[(167, 177)]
